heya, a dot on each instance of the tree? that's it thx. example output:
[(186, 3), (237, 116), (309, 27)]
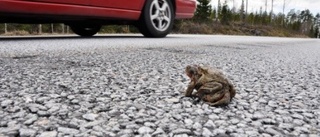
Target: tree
[(271, 13), (317, 32), (311, 32), (306, 19), (213, 14), (242, 11), (251, 18), (218, 12), (225, 14), (5, 28), (203, 11)]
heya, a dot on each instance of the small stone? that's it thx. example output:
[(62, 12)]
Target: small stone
[(265, 135), (309, 115), (126, 132), (206, 132), (181, 135), (11, 132), (248, 90), (96, 133), (197, 125), (139, 106), (213, 117), (116, 128), (217, 110), (110, 134), (33, 109), (124, 116), (90, 117), (280, 111), (3, 123), (68, 130), (172, 100), (298, 122), (241, 125), (297, 116), (286, 126), (145, 130), (27, 132), (176, 106), (220, 132), (234, 121), (256, 124), (257, 115), (200, 112), (187, 104), (42, 122), (177, 117), (149, 124), (298, 105), (6, 103), (272, 132), (287, 119), (269, 121), (32, 119), (54, 109), (93, 123), (43, 113), (75, 101), (272, 103), (181, 131), (188, 122), (158, 132), (302, 130), (220, 122), (252, 133), (209, 124), (132, 126), (49, 134)]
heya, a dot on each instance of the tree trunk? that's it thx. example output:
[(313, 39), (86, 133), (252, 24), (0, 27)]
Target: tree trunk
[(284, 6), (67, 29), (271, 13), (51, 28), (266, 6), (246, 10), (5, 28), (39, 29), (62, 26), (242, 11), (219, 10)]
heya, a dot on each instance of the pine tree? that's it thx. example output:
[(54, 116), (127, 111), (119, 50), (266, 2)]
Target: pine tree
[(203, 11), (213, 14), (316, 32), (225, 14)]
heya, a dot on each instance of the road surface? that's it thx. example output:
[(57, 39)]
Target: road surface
[(128, 85)]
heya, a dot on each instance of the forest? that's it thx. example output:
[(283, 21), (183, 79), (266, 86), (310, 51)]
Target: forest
[(222, 19)]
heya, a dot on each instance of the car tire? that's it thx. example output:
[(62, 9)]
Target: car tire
[(156, 19), (85, 30)]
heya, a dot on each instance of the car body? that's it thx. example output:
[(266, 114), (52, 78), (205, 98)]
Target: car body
[(153, 18)]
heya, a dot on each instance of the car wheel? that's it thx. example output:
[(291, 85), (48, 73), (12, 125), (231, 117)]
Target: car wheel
[(156, 18), (85, 30)]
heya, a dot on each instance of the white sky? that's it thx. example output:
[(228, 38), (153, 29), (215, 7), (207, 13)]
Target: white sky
[(254, 5)]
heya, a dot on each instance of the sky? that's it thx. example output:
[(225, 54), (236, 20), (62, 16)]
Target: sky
[(254, 5)]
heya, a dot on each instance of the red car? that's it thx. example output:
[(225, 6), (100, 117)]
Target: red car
[(153, 18)]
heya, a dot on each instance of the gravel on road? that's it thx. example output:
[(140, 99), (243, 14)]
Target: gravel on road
[(50, 89)]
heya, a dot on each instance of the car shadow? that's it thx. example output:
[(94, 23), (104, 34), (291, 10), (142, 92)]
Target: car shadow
[(53, 37), (61, 37)]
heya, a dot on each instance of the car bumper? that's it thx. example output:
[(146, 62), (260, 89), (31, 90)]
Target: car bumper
[(185, 8)]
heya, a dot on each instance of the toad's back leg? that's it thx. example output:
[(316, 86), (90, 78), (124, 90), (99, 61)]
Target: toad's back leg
[(225, 100)]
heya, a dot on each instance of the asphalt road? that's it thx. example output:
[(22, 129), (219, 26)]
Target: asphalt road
[(128, 85)]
